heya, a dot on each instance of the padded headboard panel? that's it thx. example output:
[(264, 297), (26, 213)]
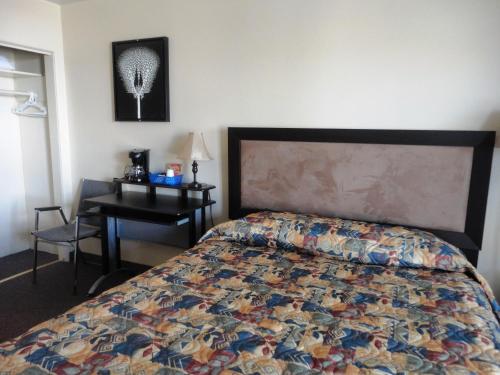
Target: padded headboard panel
[(379, 183), (424, 179)]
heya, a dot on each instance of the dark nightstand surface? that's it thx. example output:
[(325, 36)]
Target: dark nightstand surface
[(158, 204)]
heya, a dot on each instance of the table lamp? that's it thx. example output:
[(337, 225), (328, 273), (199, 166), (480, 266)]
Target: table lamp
[(196, 150)]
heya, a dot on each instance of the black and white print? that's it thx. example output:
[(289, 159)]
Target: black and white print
[(140, 69)]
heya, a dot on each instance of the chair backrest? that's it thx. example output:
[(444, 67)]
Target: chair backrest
[(90, 189)]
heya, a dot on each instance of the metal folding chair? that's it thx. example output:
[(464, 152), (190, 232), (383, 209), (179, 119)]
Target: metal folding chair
[(85, 224)]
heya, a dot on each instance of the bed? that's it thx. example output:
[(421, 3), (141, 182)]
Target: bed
[(281, 292)]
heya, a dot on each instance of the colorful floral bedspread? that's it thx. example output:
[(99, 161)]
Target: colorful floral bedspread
[(281, 293)]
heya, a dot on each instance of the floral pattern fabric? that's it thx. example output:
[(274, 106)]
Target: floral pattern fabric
[(260, 295), (349, 240)]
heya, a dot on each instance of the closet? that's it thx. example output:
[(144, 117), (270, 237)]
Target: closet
[(26, 176)]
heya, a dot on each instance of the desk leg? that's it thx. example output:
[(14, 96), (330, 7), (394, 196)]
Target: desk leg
[(118, 258), (192, 229), (203, 221), (104, 245), (203, 213), (110, 243)]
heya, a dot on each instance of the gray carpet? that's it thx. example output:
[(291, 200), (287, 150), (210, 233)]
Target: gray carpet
[(24, 305), (15, 263)]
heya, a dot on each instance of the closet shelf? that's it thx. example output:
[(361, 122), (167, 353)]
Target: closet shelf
[(17, 73)]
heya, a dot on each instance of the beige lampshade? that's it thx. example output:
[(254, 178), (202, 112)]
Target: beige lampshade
[(195, 148)]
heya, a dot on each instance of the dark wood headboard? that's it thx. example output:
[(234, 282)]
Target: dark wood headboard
[(433, 180)]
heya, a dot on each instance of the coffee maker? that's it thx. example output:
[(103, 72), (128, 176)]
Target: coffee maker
[(139, 170)]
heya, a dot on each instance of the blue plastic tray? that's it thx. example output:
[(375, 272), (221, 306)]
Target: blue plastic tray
[(161, 179)]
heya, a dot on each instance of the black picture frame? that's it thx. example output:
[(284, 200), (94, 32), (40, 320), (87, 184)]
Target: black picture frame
[(482, 142), (154, 103)]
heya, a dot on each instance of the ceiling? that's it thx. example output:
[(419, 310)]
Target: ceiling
[(62, 2)]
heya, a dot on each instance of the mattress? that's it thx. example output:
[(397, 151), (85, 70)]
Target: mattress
[(280, 293)]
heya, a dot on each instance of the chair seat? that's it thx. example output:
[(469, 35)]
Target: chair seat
[(66, 233)]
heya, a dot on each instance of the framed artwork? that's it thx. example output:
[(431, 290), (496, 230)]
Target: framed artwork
[(140, 74)]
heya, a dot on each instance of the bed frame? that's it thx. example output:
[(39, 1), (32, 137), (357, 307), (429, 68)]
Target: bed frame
[(433, 180)]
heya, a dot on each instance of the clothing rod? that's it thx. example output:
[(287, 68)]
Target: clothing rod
[(15, 93)]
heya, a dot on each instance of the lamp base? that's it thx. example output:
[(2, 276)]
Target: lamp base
[(195, 185)]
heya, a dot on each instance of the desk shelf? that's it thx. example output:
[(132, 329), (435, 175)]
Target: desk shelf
[(184, 186), (151, 188)]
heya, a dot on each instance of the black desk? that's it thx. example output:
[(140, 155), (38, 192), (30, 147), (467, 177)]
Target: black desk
[(138, 206)]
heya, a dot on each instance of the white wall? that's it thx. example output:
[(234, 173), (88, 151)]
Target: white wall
[(323, 63)]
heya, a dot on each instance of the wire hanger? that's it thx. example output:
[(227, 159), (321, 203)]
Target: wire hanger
[(30, 103)]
